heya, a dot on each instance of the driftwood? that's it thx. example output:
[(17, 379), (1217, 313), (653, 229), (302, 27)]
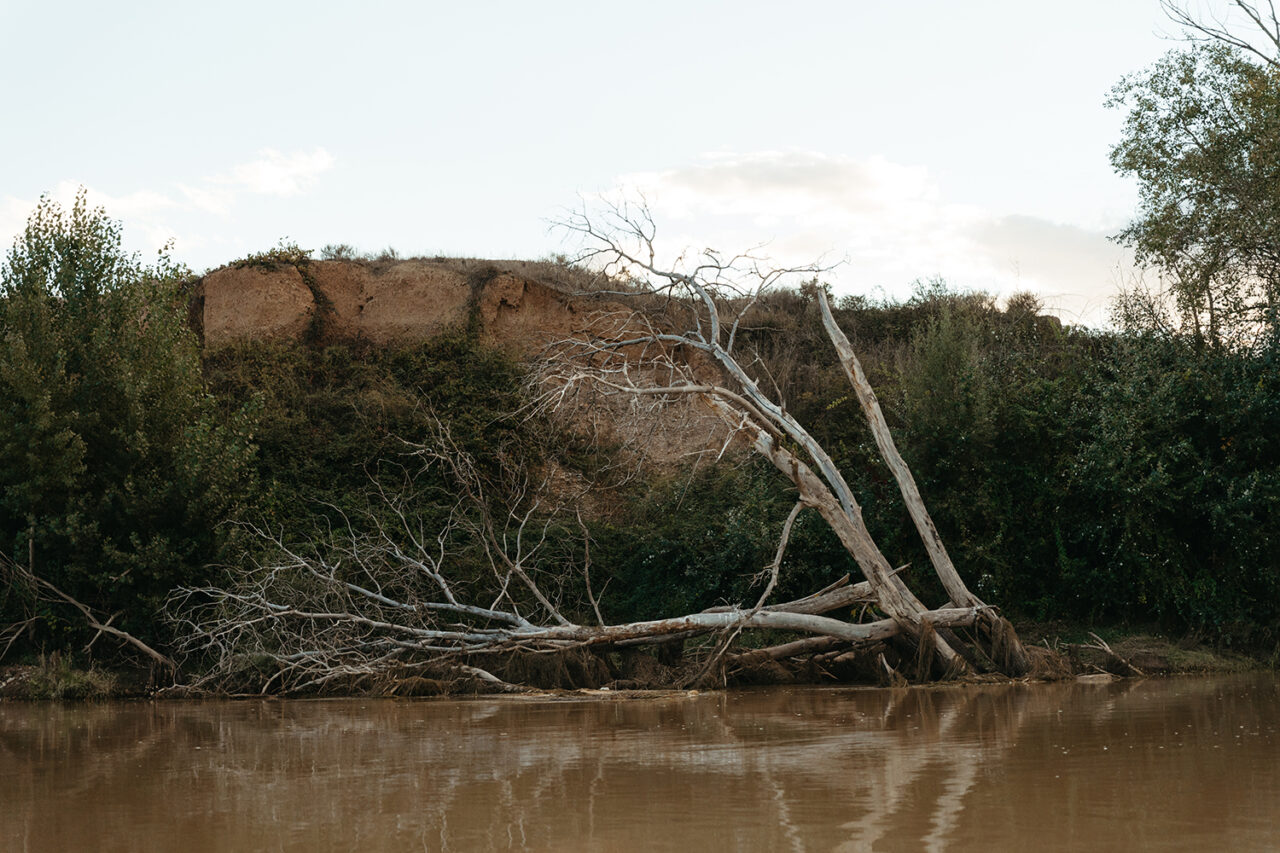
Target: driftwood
[(945, 569)]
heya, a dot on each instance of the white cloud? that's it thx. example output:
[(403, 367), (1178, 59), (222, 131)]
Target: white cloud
[(1074, 269), (154, 218), (142, 209), (279, 174), (890, 222), (215, 200), (13, 218), (270, 173)]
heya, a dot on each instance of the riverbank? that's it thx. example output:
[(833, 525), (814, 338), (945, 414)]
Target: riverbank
[(1082, 652), (54, 677), (1138, 653), (646, 513)]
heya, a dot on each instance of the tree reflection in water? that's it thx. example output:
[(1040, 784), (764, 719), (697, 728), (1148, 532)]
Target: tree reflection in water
[(1179, 763)]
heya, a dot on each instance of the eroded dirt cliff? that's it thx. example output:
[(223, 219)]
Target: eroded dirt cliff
[(529, 309), (518, 305)]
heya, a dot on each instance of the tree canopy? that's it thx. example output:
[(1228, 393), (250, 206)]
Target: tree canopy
[(1202, 137), (116, 468)]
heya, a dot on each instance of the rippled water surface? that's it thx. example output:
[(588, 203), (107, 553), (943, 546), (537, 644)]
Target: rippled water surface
[(1190, 764)]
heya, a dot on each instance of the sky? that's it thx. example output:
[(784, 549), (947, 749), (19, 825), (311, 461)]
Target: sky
[(895, 142)]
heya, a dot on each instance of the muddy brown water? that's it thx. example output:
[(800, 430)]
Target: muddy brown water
[(1177, 764)]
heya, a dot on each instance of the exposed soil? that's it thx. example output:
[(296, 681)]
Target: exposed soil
[(389, 303)]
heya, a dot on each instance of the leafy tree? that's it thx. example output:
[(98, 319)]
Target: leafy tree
[(1202, 137), (1177, 492), (116, 469)]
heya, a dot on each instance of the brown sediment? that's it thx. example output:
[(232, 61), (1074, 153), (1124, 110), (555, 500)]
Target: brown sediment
[(383, 303)]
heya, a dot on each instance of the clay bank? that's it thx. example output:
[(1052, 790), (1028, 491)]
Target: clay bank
[(518, 304)]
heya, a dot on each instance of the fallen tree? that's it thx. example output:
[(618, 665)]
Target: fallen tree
[(374, 603), (691, 339)]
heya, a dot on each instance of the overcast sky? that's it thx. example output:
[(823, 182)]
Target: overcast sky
[(907, 140)]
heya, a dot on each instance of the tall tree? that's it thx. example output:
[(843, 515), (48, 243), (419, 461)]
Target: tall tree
[(115, 467), (1202, 137)]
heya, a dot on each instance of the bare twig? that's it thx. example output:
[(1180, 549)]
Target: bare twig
[(774, 567), (1259, 18), (1101, 645), (53, 593)]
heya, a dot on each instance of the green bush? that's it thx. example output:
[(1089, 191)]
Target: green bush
[(1179, 486), (695, 539), (117, 470), (333, 421)]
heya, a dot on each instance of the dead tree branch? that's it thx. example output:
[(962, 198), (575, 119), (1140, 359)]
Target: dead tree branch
[(489, 581), (1253, 27), (717, 293), (50, 593)]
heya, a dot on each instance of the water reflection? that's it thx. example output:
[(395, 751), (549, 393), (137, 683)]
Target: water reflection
[(1178, 764)]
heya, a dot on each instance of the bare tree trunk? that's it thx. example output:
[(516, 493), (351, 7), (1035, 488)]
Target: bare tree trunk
[(946, 570), (1016, 661), (711, 287), (891, 593)]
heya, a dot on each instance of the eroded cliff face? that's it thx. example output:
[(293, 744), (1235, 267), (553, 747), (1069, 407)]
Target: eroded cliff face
[(383, 304), (519, 307)]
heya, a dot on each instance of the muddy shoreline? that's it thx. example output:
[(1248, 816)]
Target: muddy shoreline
[(1085, 656)]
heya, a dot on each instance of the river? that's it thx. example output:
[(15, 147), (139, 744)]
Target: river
[(1174, 764)]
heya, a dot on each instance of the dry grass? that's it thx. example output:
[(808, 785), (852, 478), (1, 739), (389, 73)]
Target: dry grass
[(54, 677)]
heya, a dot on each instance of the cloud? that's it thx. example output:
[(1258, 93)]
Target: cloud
[(207, 199), (270, 173), (890, 223), (279, 174), (157, 217), (13, 218), (1075, 269)]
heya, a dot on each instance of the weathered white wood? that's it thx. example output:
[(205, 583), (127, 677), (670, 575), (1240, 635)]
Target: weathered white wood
[(942, 564), (893, 595), (855, 632), (818, 603)]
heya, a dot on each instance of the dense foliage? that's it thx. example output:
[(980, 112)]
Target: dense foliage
[(332, 422), (117, 470), (1179, 488)]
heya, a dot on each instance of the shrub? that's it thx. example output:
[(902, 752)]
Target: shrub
[(116, 467)]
